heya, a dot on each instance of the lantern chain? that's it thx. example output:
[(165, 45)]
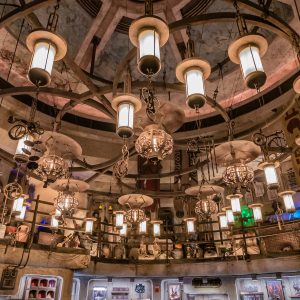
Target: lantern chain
[(148, 8), (120, 168), (53, 18), (240, 20)]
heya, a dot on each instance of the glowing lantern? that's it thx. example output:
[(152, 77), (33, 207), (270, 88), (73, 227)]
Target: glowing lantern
[(143, 227), (123, 230), (223, 221), (190, 225), (287, 197), (269, 169), (22, 214), (247, 51), (235, 203), (18, 204), (89, 225), (257, 213), (54, 218), (156, 227), (126, 105), (229, 215), (119, 219)]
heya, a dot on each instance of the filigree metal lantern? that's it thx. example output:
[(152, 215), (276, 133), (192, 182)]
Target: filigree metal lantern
[(206, 207), (247, 51), (134, 215), (148, 34), (257, 213), (154, 143), (238, 174), (66, 202), (235, 203), (46, 47), (269, 169), (288, 200)]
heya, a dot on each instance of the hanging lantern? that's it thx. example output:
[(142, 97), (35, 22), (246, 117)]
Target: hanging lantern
[(89, 225), (143, 227), (126, 106), (229, 215), (134, 215), (156, 227), (257, 213), (288, 200), (54, 218), (269, 169), (235, 203), (21, 215), (119, 219), (18, 204), (190, 225), (193, 71), (206, 207), (148, 34), (238, 174), (23, 149), (66, 202), (123, 230), (46, 47), (247, 51), (223, 221)]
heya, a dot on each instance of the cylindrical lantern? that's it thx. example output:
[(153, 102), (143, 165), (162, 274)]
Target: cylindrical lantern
[(21, 216), (23, 149), (193, 71), (89, 225), (223, 221), (123, 230), (235, 203), (54, 221), (18, 204), (229, 215), (269, 169), (119, 219), (257, 213), (126, 106), (288, 200), (156, 227), (190, 225), (46, 47), (247, 51), (143, 227), (148, 34)]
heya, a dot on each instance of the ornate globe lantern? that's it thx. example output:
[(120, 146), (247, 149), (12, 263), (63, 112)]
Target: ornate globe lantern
[(66, 202), (269, 169), (235, 203), (148, 34), (154, 143), (257, 213), (46, 47), (134, 215), (288, 200), (238, 174), (247, 51), (205, 208)]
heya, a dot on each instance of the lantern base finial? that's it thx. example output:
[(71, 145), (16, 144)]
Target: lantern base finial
[(195, 101), (149, 65), (39, 77), (256, 79), (125, 132)]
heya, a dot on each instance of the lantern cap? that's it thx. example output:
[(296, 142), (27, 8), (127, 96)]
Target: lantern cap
[(190, 64), (90, 219), (287, 192), (74, 185), (126, 98), (156, 222), (221, 213), (234, 195), (38, 35), (135, 200), (189, 219), (258, 204), (225, 208), (241, 42), (204, 190), (119, 212), (264, 164), (296, 85), (146, 22)]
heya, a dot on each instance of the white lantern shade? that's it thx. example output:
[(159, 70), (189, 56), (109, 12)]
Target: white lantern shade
[(18, 204), (190, 225), (89, 225), (250, 60), (229, 215), (235, 203), (257, 213), (156, 228), (119, 219), (270, 174), (22, 214), (288, 200), (22, 151), (125, 119), (143, 227), (54, 222), (194, 82), (123, 230), (42, 63), (223, 221), (57, 213)]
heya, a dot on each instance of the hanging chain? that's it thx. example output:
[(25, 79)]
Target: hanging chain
[(33, 107), (190, 46), (148, 8), (53, 18), (240, 21)]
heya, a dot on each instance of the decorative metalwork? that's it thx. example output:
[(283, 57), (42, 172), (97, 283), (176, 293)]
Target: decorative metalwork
[(120, 168), (152, 102), (238, 174), (66, 202), (205, 208), (135, 215), (13, 190)]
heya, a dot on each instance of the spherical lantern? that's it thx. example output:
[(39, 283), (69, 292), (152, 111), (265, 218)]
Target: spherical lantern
[(134, 215), (238, 173), (126, 106), (119, 220), (288, 200), (89, 225), (66, 202), (223, 221), (269, 169), (229, 215), (205, 208), (257, 213), (156, 227), (123, 230), (143, 226), (148, 34), (247, 51), (193, 71), (154, 143), (235, 203), (190, 225), (46, 47)]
